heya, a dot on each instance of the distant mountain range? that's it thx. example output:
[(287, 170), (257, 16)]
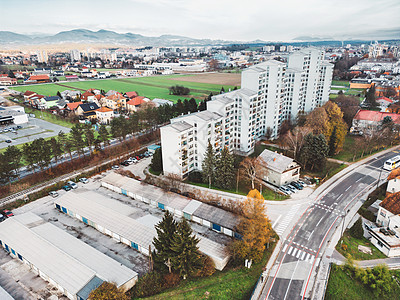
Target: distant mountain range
[(84, 36)]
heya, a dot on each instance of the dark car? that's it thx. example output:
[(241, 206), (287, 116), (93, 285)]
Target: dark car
[(8, 141), (67, 188), (296, 185), (8, 213), (141, 155), (125, 163)]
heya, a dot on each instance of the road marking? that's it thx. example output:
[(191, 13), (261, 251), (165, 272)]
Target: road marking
[(290, 282), (299, 253), (339, 196), (273, 226), (294, 252), (359, 179), (318, 223), (310, 235), (290, 250), (280, 229), (284, 248), (308, 256), (347, 188), (304, 254)]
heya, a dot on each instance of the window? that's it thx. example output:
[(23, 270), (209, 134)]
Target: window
[(160, 205), (216, 227), (134, 246)]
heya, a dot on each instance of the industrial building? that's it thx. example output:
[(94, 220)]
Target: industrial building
[(206, 215), (115, 219), (69, 264)]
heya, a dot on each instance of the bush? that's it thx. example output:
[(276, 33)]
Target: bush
[(208, 267), (179, 90), (196, 177), (150, 284), (356, 230), (171, 280)]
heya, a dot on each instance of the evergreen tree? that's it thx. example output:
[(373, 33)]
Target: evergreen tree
[(370, 98), (76, 138), (225, 170), (104, 135), (13, 157), (180, 109), (202, 106), (166, 230), (56, 148), (89, 136), (333, 142), (193, 107), (356, 230), (314, 151), (156, 161), (208, 165), (186, 106), (210, 96), (6, 172), (222, 90), (186, 258)]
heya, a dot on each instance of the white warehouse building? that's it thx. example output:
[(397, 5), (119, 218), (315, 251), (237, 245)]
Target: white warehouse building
[(271, 93), (69, 264)]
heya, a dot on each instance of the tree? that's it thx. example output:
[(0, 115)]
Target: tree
[(193, 107), (254, 227), (335, 120), (293, 141), (357, 230), (13, 157), (225, 170), (213, 64), (222, 90), (314, 151), (349, 105), (387, 121), (186, 258), (180, 109), (208, 165), (89, 136), (76, 138), (370, 98), (107, 291), (317, 120), (252, 168), (56, 148), (156, 161), (179, 90), (332, 143), (104, 135), (166, 230), (6, 171)]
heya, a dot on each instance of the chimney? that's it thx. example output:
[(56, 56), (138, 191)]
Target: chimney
[(274, 158)]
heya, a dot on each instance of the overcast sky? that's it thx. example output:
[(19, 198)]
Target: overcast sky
[(243, 20)]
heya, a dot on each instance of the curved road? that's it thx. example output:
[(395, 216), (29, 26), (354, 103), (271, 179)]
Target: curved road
[(292, 275)]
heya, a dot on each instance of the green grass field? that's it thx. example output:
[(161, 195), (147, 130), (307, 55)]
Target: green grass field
[(341, 82), (152, 87), (342, 287)]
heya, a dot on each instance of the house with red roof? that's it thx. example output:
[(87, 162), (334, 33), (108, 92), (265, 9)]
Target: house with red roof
[(131, 95), (115, 101), (104, 115), (384, 103), (73, 106), (7, 81), (28, 94), (371, 120), (135, 103), (38, 79), (88, 96)]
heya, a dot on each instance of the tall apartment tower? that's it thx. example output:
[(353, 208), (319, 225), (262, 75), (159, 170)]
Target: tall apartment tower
[(271, 93), (75, 55)]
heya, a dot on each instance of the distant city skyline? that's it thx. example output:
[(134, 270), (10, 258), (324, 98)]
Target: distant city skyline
[(222, 19)]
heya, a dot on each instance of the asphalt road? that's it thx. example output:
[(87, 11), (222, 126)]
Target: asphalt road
[(301, 251)]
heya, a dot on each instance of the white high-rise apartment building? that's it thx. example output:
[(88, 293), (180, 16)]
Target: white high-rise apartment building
[(42, 56), (271, 93), (75, 55)]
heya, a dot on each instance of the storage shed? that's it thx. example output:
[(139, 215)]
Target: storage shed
[(69, 264), (207, 215), (108, 216)]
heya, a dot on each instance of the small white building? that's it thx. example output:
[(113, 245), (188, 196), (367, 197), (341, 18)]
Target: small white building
[(13, 114), (280, 168)]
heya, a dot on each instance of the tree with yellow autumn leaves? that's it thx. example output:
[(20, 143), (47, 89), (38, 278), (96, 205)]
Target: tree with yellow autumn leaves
[(254, 227)]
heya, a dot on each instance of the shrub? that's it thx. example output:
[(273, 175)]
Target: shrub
[(208, 267), (171, 280), (195, 176), (150, 284), (356, 230), (344, 247)]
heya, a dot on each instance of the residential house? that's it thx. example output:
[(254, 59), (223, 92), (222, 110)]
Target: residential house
[(384, 103), (71, 77), (115, 101), (104, 115), (36, 100), (280, 169), (69, 94), (131, 95), (7, 81), (112, 92), (87, 110), (88, 96), (51, 101), (133, 104), (28, 94), (73, 106), (38, 79), (371, 120)]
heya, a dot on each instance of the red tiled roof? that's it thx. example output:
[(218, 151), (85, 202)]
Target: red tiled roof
[(376, 116), (86, 95), (385, 98), (74, 105), (115, 97), (39, 77), (392, 203), (131, 94), (104, 109), (29, 93), (136, 101)]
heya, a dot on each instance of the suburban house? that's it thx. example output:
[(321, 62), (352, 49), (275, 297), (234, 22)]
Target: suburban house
[(393, 186), (28, 94), (368, 119), (88, 96), (131, 95), (115, 101), (133, 104), (36, 100), (386, 236), (104, 115), (112, 92), (384, 103), (38, 79), (88, 110), (71, 77), (7, 81), (69, 95), (71, 107), (280, 169), (51, 101)]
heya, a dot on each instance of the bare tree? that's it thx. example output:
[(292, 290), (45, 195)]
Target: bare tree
[(293, 141), (174, 181), (253, 168)]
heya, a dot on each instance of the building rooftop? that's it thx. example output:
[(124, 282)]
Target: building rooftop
[(376, 116), (179, 126), (392, 203), (276, 161)]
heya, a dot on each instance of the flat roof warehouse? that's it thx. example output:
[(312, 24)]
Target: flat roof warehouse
[(74, 267)]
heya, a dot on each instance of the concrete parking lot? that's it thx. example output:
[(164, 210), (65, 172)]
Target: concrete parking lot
[(34, 129)]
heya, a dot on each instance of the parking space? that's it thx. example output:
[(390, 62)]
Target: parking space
[(34, 129)]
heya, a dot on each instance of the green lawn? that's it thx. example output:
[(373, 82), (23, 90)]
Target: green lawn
[(331, 168), (341, 82), (229, 284), (49, 117), (352, 248), (342, 287), (152, 87)]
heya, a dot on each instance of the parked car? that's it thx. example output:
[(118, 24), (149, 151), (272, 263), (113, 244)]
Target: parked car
[(8, 141), (8, 213), (19, 127), (72, 184), (141, 155), (137, 157), (66, 188), (296, 185), (291, 188), (54, 194), (125, 163), (2, 218), (84, 180), (132, 159), (115, 167), (286, 190)]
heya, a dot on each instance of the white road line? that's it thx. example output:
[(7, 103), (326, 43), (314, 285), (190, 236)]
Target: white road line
[(299, 253), (273, 226), (294, 252), (359, 179), (290, 250), (284, 248), (290, 282), (304, 254), (339, 196), (308, 256), (347, 188), (310, 235)]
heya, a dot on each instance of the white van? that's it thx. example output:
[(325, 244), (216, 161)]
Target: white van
[(392, 163)]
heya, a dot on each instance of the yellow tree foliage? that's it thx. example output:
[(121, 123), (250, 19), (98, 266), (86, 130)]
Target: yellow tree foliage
[(317, 120), (395, 173), (107, 291), (254, 226), (335, 119)]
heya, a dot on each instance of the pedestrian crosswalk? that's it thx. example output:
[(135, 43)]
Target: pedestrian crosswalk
[(301, 254), (287, 219)]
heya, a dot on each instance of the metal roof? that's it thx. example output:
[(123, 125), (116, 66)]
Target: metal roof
[(4, 295), (276, 161)]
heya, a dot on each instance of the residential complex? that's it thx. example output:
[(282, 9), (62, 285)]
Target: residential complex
[(272, 92)]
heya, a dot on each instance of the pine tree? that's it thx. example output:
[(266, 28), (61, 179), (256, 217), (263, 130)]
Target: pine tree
[(208, 165), (76, 138), (104, 135), (89, 136), (222, 90), (180, 109), (356, 230), (13, 156), (333, 142), (56, 148), (156, 161), (166, 230), (314, 151), (186, 258), (225, 170), (193, 107)]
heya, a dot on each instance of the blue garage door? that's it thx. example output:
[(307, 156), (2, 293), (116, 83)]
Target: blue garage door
[(160, 205), (135, 246), (58, 207), (124, 192), (84, 220), (13, 251), (5, 245), (20, 256), (64, 209), (187, 216), (216, 227)]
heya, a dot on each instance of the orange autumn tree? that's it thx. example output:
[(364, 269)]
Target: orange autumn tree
[(107, 291), (254, 227)]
